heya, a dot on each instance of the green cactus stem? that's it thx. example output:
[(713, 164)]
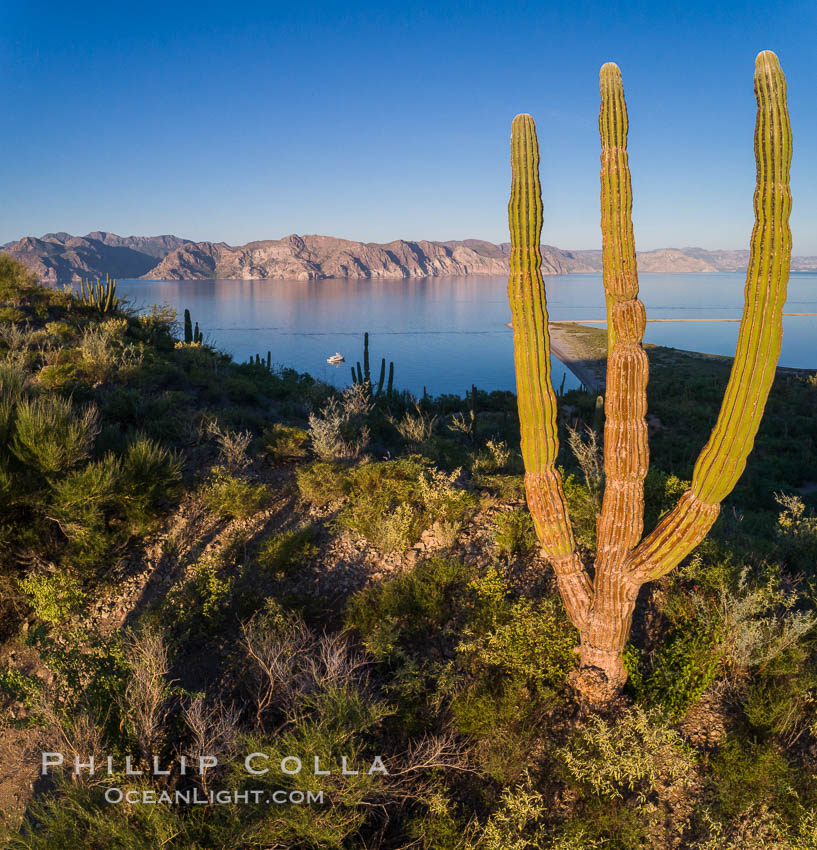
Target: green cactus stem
[(723, 459), (382, 376), (100, 295), (188, 326), (535, 398)]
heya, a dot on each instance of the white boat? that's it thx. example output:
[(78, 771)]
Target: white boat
[(335, 358)]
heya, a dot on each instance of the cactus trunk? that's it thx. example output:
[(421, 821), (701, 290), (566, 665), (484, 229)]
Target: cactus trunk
[(602, 612)]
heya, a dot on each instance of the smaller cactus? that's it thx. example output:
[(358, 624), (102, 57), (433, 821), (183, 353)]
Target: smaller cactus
[(367, 375), (188, 327), (99, 295), (362, 375)]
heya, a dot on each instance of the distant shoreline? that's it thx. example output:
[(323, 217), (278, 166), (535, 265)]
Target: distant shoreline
[(582, 349)]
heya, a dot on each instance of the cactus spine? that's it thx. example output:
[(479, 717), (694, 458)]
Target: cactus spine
[(99, 295), (602, 609)]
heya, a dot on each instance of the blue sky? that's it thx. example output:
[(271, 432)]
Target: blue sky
[(381, 121)]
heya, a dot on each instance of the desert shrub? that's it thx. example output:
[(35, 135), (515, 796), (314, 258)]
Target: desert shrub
[(151, 478), (56, 376), (16, 281), (686, 659), (323, 482), (531, 639), (583, 506), (762, 620), (206, 594), (338, 431), (391, 502), (503, 486), (60, 332), (779, 698), (747, 773), (285, 443), (83, 502), (53, 597), (231, 497), (100, 349), (760, 828), (51, 435), (518, 823), (513, 659), (633, 755), (397, 617), (514, 533), (285, 550), (415, 428), (233, 446), (494, 459), (17, 686), (796, 530)]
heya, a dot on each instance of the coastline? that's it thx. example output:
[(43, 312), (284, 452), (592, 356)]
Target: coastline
[(582, 348)]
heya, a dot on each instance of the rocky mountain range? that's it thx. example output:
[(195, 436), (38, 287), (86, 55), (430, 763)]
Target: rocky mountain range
[(59, 258)]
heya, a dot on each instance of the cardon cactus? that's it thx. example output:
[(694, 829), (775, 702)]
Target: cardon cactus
[(601, 607), (363, 376), (188, 327)]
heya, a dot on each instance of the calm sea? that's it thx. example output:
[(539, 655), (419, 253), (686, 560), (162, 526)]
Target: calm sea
[(446, 334)]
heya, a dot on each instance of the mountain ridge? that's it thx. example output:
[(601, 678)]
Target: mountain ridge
[(60, 258)]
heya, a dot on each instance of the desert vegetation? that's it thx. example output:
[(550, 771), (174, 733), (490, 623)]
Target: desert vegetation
[(200, 557)]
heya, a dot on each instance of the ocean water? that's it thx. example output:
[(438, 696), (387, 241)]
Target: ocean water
[(445, 334)]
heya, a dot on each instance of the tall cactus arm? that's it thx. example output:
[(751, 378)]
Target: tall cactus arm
[(535, 397), (723, 459), (626, 454)]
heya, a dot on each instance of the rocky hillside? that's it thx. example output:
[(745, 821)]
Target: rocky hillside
[(59, 258)]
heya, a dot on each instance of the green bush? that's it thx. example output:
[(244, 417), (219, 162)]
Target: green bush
[(51, 435), (635, 754), (84, 501), (151, 478), (747, 773), (779, 698), (514, 533), (53, 597), (399, 618), (582, 504), (287, 549), (531, 639), (285, 443), (231, 497), (686, 660), (390, 503), (323, 482)]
